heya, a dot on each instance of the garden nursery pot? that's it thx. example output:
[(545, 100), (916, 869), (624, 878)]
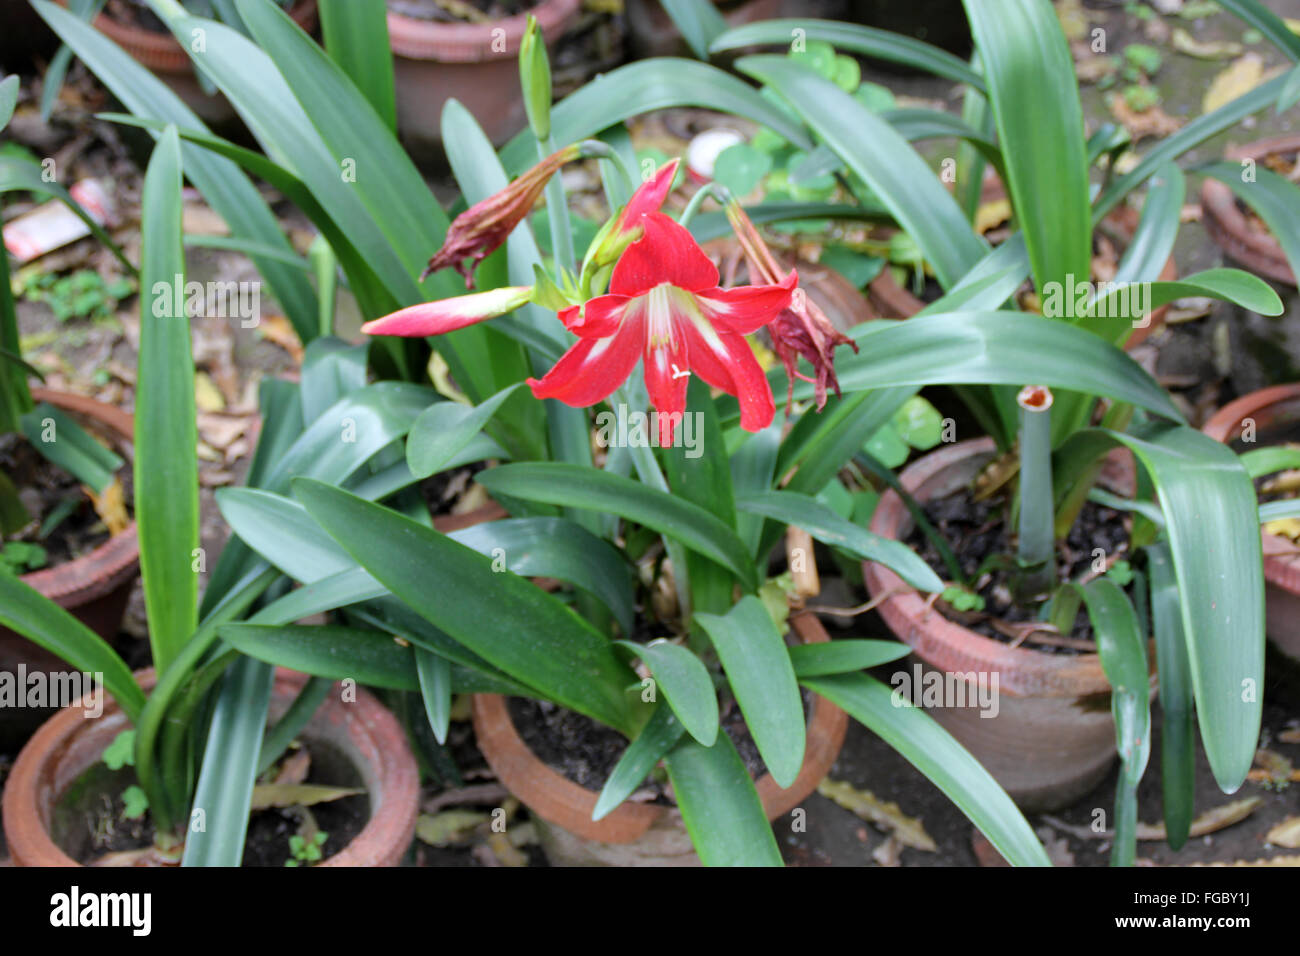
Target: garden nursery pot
[(164, 56), (477, 64), (363, 731), (95, 587), (635, 834), (1052, 738), (1273, 409), (1231, 229)]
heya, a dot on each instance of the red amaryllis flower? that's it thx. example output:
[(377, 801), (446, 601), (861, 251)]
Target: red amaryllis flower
[(803, 328), (484, 226), (664, 304)]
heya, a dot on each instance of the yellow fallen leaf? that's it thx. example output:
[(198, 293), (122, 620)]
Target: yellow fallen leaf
[(449, 827), (111, 507), (990, 215), (266, 795), (887, 816), (1287, 527), (1286, 833), (1240, 77), (207, 396), (1216, 819), (1184, 42)]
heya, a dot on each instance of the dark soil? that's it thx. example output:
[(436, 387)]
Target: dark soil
[(44, 487), (977, 529), (89, 823), (434, 11), (586, 752), (441, 491)]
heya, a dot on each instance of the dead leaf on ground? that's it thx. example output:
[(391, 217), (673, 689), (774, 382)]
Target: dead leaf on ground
[(1184, 42), (885, 816), (889, 853), (276, 329), (1289, 736), (207, 396), (1208, 822), (295, 767), (505, 851), (1153, 121), (111, 507), (267, 795), (1240, 77), (449, 827), (1278, 769), (1286, 833)]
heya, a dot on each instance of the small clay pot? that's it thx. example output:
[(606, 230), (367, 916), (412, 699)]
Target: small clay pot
[(636, 834), (1053, 738), (477, 64), (165, 57), (362, 730), (1270, 408), (95, 587), (1228, 225)]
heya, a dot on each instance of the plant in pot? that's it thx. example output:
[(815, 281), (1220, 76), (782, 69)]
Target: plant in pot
[(666, 669), (64, 527), (202, 697), (1048, 444)]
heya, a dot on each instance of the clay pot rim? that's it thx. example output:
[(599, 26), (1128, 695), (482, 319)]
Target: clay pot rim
[(564, 803), (108, 565), (1281, 570), (1023, 671), (161, 52), (472, 42), (30, 843), (1228, 226)]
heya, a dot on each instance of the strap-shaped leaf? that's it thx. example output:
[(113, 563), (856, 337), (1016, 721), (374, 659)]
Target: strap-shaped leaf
[(929, 748), (503, 618), (719, 805), (445, 428), (685, 683), (762, 678), (574, 487), (1177, 736), (434, 672), (843, 657), (1273, 198), (829, 528), (329, 650), (657, 737)]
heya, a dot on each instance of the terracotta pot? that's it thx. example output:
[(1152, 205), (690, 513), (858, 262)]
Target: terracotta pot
[(362, 731), (651, 32), (476, 64), (163, 55), (1270, 408), (1228, 225), (94, 587), (639, 834), (1053, 738)]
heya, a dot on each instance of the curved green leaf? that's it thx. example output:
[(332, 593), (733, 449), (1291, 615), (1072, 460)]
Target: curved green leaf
[(444, 428), (842, 657), (1177, 735), (1274, 199), (328, 650), (657, 738), (686, 685)]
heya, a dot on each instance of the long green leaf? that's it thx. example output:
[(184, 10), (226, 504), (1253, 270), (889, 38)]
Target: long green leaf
[(657, 738), (328, 650), (508, 621), (885, 161), (720, 806), (574, 487), (699, 22), (37, 618), (166, 433), (356, 38), (762, 678), (686, 684), (444, 428), (1273, 198), (928, 747), (434, 672), (842, 657), (1177, 738)]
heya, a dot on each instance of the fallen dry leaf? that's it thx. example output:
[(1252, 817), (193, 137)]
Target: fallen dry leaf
[(992, 214), (1278, 767), (276, 329), (1208, 822), (295, 767), (1153, 121), (1286, 833), (505, 851), (267, 795), (1240, 77), (207, 396), (449, 827), (885, 816), (1184, 42), (889, 853), (1289, 736), (111, 507)]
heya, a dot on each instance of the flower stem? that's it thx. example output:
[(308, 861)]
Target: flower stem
[(557, 211), (721, 195), (1037, 547)]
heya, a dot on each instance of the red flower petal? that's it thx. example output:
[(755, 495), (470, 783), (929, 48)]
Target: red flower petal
[(666, 253), (598, 318), (726, 361), (667, 376), (747, 308), (592, 368), (649, 196)]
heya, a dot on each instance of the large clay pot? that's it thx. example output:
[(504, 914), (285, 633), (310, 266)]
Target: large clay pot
[(635, 834), (1053, 738), (1270, 408), (94, 587), (1228, 226), (476, 64), (164, 56), (366, 734)]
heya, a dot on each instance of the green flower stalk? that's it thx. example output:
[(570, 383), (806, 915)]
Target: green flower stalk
[(1037, 548)]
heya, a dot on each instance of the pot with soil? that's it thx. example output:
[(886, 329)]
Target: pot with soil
[(1051, 737), (474, 62), (1270, 416), (91, 570), (635, 833), (1232, 225), (134, 27), (62, 806)]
